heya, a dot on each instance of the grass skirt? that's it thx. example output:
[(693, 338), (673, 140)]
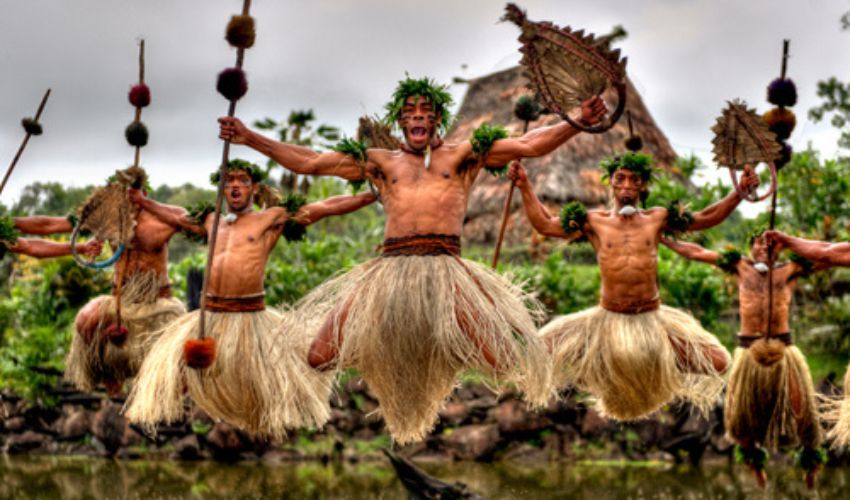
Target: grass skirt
[(96, 360), (404, 333), (836, 415), (758, 401), (259, 381), (628, 362)]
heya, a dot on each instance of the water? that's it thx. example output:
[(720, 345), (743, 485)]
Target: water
[(80, 477)]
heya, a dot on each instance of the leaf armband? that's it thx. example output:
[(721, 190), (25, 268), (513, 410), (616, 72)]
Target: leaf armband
[(292, 229), (728, 261), (8, 234), (482, 142), (807, 265), (679, 219), (573, 217), (197, 214)]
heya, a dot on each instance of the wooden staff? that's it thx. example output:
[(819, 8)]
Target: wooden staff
[(770, 257), (24, 143), (506, 212), (225, 154)]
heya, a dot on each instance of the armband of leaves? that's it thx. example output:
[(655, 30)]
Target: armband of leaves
[(728, 260), (73, 219), (679, 219), (573, 217), (292, 229), (810, 459), (753, 456), (357, 150), (8, 234), (482, 142), (198, 214), (807, 265)]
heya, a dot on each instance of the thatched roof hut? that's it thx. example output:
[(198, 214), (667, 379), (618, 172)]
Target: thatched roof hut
[(569, 173)]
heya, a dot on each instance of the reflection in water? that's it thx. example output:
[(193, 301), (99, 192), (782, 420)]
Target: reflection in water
[(79, 477)]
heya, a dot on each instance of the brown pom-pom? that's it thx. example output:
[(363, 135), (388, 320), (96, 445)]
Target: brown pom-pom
[(140, 95), (781, 121), (241, 32), (232, 84), (634, 143), (199, 353), (117, 334), (767, 352)]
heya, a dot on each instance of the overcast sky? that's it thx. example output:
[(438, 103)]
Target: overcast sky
[(344, 57)]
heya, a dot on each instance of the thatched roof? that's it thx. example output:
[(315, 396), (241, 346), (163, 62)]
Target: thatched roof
[(569, 173)]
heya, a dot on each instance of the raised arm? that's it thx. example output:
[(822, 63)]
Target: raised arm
[(542, 141), (539, 217), (43, 249), (298, 159), (823, 253), (174, 216), (692, 251), (336, 205), (718, 212), (43, 225)]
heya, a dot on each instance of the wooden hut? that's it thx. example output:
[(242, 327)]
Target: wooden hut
[(569, 173)]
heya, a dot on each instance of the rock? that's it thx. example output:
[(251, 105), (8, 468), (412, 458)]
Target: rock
[(473, 441), (593, 424), (524, 452), (76, 426), (227, 442), (454, 414), (14, 424), (109, 426), (28, 441), (188, 448), (513, 416)]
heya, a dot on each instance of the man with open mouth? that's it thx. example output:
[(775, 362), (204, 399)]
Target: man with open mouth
[(259, 379), (411, 320), (630, 352), (770, 398)]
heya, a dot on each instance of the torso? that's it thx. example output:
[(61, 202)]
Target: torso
[(241, 253), (753, 296), (420, 201), (148, 251), (627, 253)]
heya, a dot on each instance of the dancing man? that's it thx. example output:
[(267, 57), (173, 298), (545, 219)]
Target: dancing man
[(259, 380), (631, 352), (770, 397), (415, 317)]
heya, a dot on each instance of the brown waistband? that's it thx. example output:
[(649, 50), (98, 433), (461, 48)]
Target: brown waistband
[(422, 244), (163, 293), (746, 341), (247, 303), (630, 307)]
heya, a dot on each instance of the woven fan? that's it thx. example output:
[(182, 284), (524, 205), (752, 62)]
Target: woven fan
[(109, 215), (742, 138), (567, 67)]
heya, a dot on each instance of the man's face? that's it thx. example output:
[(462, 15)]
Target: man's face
[(238, 190), (759, 249), (418, 121), (626, 186)]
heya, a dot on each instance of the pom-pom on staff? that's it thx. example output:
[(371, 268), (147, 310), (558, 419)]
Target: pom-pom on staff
[(31, 127), (232, 84)]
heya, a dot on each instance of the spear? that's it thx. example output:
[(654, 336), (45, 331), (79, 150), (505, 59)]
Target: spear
[(32, 127), (200, 353), (526, 110)]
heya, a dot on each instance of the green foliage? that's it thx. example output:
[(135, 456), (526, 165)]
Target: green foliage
[(810, 459), (728, 260), (753, 456), (679, 219), (256, 173), (482, 141), (423, 87), (573, 217), (639, 163), (560, 284), (351, 147), (835, 97)]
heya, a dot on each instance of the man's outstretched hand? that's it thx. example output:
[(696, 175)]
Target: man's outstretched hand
[(232, 129), (592, 110), (91, 248), (518, 175), (749, 179)]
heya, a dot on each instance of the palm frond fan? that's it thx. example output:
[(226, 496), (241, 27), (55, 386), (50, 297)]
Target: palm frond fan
[(109, 215), (742, 138), (567, 67)]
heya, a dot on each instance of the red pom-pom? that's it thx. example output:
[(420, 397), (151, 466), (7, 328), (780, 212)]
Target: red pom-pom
[(232, 84), (140, 95), (199, 353), (117, 334)]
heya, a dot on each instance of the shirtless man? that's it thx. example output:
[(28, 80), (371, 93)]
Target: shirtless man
[(770, 398), (631, 352), (260, 379), (412, 319), (823, 253)]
